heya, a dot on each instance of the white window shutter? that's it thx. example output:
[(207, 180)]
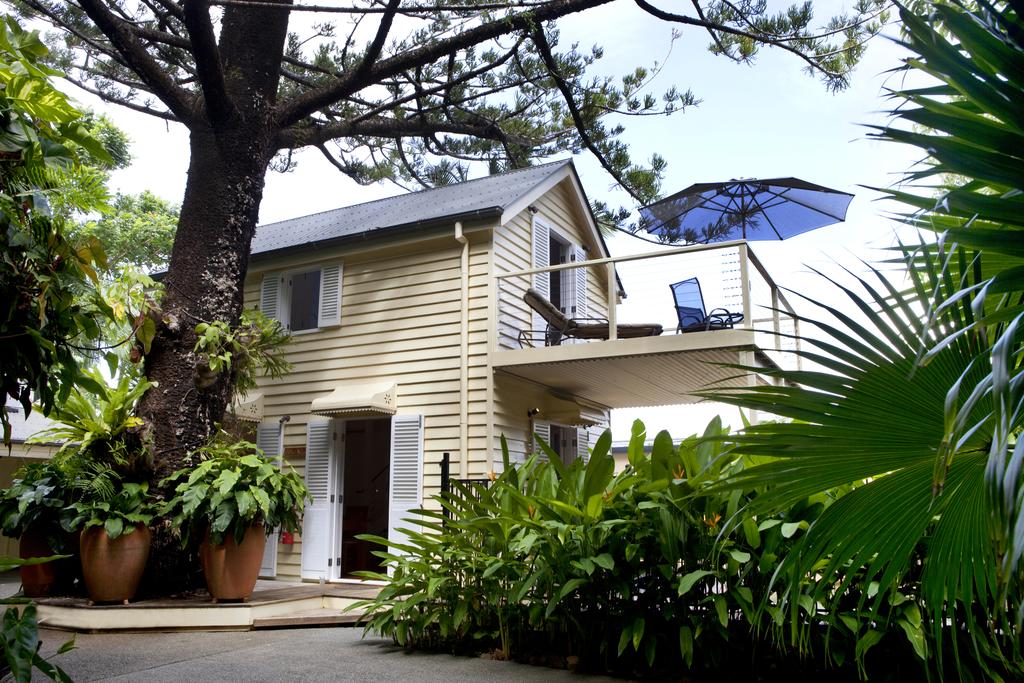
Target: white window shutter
[(580, 284), (543, 430), (583, 443), (316, 523), (270, 296), (541, 281), (330, 296), (268, 439), (406, 482)]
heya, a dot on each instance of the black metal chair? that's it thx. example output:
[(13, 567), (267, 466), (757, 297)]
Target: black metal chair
[(692, 314)]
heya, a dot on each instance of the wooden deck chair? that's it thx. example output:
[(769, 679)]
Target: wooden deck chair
[(561, 326)]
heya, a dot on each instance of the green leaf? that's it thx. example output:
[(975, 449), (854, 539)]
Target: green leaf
[(722, 610), (114, 527), (740, 556), (915, 635), (686, 644), (689, 580), (790, 528), (624, 638), (639, 625)]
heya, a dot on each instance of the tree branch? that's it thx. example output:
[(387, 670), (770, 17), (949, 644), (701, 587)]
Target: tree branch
[(152, 74), (135, 106), (300, 136), (781, 43), (164, 37), (431, 9), (373, 52), (207, 60), (303, 105), (541, 41)]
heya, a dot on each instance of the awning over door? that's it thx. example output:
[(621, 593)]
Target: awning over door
[(565, 412), (248, 408), (357, 400)]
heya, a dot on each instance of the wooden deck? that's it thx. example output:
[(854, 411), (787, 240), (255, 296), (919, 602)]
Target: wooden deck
[(273, 604)]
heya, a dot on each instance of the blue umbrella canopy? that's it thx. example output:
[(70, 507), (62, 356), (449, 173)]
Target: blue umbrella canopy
[(769, 209)]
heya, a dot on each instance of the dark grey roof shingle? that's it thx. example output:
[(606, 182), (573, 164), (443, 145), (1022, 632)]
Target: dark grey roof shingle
[(494, 192)]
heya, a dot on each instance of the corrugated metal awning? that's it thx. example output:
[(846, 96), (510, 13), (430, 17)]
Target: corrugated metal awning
[(357, 400), (248, 408)]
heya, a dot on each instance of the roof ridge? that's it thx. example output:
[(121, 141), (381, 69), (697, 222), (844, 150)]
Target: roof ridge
[(421, 191)]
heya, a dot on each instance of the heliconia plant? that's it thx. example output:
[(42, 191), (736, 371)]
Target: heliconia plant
[(650, 570)]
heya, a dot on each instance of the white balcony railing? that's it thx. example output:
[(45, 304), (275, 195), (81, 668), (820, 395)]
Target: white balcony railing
[(730, 275)]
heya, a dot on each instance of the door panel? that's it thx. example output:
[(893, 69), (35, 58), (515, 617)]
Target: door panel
[(268, 439), (406, 484), (317, 521)]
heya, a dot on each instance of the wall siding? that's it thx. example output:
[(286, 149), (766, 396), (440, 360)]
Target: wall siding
[(400, 322)]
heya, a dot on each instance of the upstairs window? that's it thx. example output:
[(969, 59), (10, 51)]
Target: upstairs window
[(303, 300)]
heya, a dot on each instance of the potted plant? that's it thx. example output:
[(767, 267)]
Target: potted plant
[(30, 510), (115, 541), (232, 499)]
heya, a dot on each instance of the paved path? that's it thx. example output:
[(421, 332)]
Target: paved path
[(318, 654)]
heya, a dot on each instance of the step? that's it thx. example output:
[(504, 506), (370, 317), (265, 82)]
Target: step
[(307, 619)]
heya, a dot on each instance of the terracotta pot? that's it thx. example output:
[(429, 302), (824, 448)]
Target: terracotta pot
[(37, 580), (113, 568), (231, 569)]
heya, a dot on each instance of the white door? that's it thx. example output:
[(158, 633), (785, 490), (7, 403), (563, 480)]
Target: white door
[(406, 489), (338, 498), (318, 523), (268, 439)]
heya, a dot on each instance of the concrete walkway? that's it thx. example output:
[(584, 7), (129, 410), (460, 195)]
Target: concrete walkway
[(306, 655)]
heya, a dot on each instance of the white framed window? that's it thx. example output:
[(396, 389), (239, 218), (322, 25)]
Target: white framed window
[(304, 299), (566, 289)]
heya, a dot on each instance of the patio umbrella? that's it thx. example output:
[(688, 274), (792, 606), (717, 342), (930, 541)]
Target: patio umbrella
[(774, 208)]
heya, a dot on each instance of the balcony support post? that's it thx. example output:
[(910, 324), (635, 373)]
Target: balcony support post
[(748, 321), (613, 331)]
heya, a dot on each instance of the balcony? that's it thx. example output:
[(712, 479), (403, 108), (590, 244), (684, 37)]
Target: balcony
[(652, 370)]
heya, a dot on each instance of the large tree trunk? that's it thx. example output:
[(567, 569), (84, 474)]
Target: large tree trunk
[(231, 145), (204, 283)]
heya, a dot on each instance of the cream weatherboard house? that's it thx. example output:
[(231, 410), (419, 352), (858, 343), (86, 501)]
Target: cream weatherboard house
[(411, 339)]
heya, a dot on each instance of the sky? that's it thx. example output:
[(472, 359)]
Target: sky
[(769, 119)]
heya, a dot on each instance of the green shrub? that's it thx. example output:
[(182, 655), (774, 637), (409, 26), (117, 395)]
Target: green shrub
[(36, 498), (233, 487), (119, 513), (647, 571)]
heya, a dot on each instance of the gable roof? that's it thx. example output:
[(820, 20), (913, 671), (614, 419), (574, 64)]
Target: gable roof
[(480, 198)]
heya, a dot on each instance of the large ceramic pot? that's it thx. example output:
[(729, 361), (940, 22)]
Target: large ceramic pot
[(231, 569), (37, 580), (113, 568)]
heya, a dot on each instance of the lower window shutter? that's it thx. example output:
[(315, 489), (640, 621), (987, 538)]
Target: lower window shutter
[(330, 296), (543, 430), (583, 443), (268, 439), (316, 523), (406, 481), (270, 296)]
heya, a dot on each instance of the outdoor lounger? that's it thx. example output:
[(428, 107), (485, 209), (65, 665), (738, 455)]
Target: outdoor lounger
[(560, 326), (691, 313)]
